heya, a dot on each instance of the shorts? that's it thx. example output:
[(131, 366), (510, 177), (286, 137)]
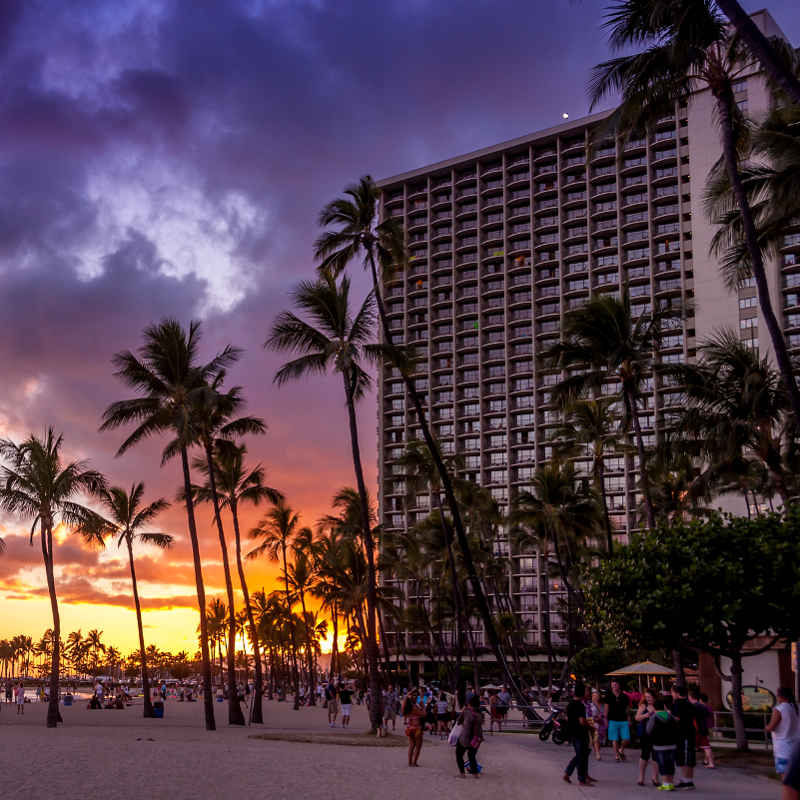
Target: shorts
[(791, 777), (389, 715), (333, 707), (781, 765), (702, 741), (346, 709), (685, 755), (618, 731), (443, 717), (501, 711), (666, 761)]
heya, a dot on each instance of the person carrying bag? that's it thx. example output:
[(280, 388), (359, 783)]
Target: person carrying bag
[(470, 737)]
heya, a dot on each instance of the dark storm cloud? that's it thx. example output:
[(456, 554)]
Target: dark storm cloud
[(249, 116)]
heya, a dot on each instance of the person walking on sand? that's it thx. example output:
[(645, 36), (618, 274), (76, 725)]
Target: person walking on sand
[(389, 709), (19, 696), (785, 729), (616, 711), (413, 714), (470, 738), (578, 734), (331, 697)]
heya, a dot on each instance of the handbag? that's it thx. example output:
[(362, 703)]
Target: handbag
[(455, 733)]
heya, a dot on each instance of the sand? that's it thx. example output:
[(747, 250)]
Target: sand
[(108, 754)]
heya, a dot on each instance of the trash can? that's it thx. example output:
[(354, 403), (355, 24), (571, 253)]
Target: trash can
[(67, 699), (158, 709)]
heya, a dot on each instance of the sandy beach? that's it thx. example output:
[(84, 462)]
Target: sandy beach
[(117, 755)]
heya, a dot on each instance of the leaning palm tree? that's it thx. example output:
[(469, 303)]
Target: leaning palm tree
[(276, 532), (604, 342), (37, 485), (688, 47), (357, 233), (168, 377), (337, 339), (770, 54), (127, 515), (236, 486)]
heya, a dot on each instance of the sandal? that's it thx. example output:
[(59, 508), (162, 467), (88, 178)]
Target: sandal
[(617, 758), (640, 783)]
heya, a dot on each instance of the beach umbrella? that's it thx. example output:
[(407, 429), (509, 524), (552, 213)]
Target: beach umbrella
[(646, 668)]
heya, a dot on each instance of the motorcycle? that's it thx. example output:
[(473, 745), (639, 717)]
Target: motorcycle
[(553, 727)]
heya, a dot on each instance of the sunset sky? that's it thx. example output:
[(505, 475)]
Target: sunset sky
[(170, 158)]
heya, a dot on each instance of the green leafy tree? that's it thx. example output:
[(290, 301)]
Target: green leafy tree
[(690, 584)]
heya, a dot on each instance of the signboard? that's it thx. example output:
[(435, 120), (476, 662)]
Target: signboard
[(754, 698)]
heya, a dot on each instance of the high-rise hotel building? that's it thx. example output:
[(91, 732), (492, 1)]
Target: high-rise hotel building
[(507, 240)]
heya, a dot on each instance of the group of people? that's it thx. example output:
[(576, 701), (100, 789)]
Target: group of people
[(671, 730), (15, 693)]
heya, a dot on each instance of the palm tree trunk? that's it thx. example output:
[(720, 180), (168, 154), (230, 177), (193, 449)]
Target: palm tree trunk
[(633, 410), (373, 675), (724, 103), (309, 654), (148, 705), (457, 599), (447, 485), (290, 618), (53, 715), (761, 48), (208, 699), (235, 715), (256, 712), (335, 645), (600, 473)]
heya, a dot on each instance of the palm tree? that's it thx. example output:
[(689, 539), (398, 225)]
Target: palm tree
[(213, 412), (381, 245), (328, 564), (590, 426), (217, 622), (559, 519), (604, 342), (94, 647), (167, 375), (736, 408), (128, 516), (335, 339), (278, 528), (689, 46), (35, 484), (236, 486), (300, 578)]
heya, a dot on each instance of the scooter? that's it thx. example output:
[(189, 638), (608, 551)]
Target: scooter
[(552, 726)]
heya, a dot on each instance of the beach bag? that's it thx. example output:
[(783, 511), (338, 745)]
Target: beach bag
[(452, 739)]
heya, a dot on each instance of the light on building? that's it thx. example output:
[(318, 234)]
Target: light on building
[(565, 115)]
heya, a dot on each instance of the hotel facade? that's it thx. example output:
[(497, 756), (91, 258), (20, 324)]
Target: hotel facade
[(507, 240)]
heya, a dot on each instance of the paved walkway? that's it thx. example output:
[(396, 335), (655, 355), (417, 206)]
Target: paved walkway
[(116, 755)]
